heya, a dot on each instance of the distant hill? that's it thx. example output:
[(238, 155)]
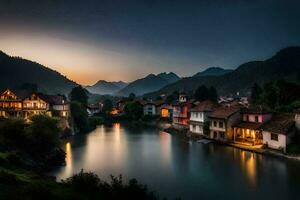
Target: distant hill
[(284, 65), (104, 87), (214, 71), (16, 71), (170, 77), (148, 84)]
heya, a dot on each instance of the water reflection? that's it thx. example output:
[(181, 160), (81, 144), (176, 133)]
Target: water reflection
[(165, 146), (69, 162), (166, 162)]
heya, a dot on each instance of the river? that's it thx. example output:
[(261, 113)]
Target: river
[(177, 168)]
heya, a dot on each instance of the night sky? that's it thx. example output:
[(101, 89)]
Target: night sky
[(124, 40)]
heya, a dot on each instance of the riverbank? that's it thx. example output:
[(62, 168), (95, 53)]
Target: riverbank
[(184, 133)]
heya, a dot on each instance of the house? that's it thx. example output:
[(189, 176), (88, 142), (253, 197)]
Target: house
[(149, 108), (166, 111), (278, 132), (181, 113), (199, 117), (25, 104), (221, 121), (248, 130), (35, 104), (10, 104)]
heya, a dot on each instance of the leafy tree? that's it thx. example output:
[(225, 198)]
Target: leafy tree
[(107, 106), (131, 96), (270, 95), (256, 92), (202, 93), (287, 92), (173, 97), (43, 134), (213, 96), (79, 94), (80, 117), (133, 110)]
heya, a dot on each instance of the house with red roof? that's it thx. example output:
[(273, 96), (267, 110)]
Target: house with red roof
[(221, 121)]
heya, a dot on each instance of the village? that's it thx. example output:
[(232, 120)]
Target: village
[(229, 121)]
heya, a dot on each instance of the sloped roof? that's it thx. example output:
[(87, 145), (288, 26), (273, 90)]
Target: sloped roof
[(223, 112), (280, 123), (248, 125), (256, 110), (204, 106), (52, 99)]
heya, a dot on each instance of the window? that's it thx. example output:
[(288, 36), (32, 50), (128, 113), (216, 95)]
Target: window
[(221, 124), (274, 137), (256, 118), (222, 135), (215, 124), (215, 134)]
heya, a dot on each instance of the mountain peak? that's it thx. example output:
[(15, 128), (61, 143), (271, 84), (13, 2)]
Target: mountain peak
[(213, 71)]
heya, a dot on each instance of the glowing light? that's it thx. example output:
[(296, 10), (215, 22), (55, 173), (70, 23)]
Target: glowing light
[(164, 112), (69, 162)]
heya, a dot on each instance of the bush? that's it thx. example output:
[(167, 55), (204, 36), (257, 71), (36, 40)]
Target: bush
[(42, 134), (91, 185), (7, 178)]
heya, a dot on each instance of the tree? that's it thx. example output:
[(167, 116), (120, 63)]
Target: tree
[(133, 110), (107, 106), (213, 96), (80, 117), (270, 95), (256, 92), (172, 97), (131, 97), (43, 134), (79, 94), (202, 93)]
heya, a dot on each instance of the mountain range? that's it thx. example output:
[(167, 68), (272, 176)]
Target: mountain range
[(16, 71), (213, 71), (148, 84), (104, 87), (283, 65)]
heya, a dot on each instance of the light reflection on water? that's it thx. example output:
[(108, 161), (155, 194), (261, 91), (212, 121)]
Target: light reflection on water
[(176, 168)]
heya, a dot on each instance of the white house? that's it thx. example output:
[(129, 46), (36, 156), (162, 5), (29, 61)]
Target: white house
[(149, 108), (199, 117), (277, 133)]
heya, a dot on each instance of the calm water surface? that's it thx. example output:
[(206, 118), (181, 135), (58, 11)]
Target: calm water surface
[(176, 168)]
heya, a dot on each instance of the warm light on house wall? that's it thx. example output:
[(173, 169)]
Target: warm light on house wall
[(115, 112), (164, 112)]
